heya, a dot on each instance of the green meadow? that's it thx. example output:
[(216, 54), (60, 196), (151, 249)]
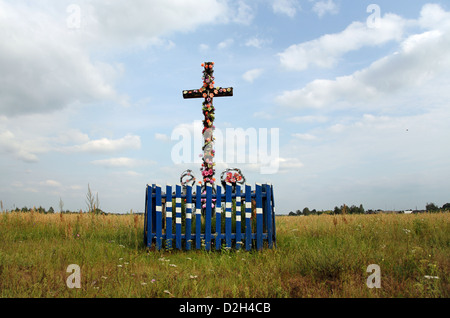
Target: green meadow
[(316, 256)]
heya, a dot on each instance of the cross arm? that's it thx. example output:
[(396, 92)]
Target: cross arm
[(218, 92)]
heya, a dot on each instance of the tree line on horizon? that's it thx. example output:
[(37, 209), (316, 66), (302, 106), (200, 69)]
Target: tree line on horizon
[(345, 209)]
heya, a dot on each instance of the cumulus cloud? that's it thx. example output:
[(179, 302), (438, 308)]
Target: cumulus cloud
[(46, 50), (253, 74), (10, 145), (421, 57), (121, 162), (105, 145), (325, 51), (324, 7), (44, 68), (287, 7)]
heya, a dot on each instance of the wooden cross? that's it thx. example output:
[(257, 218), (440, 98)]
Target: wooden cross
[(208, 91)]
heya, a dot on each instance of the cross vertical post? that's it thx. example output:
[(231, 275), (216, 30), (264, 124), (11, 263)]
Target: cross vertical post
[(208, 91)]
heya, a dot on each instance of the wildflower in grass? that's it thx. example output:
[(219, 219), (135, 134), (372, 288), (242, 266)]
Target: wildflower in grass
[(126, 263), (167, 292), (119, 265), (104, 277), (153, 281), (143, 283), (406, 231), (192, 276), (172, 265)]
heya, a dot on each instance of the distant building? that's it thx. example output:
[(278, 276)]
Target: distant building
[(407, 211)]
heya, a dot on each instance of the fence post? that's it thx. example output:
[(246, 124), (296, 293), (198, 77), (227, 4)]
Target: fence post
[(218, 217), (188, 206), (198, 217), (238, 217), (158, 218), (248, 215), (178, 216), (259, 217), (273, 217), (228, 209), (169, 216), (208, 217), (268, 217)]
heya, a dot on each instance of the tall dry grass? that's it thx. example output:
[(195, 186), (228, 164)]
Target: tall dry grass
[(316, 256)]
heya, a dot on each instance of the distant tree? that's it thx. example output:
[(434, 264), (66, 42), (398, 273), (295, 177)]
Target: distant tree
[(446, 206), (51, 210), (306, 211), (292, 213), (361, 209), (431, 207), (298, 212), (337, 210)]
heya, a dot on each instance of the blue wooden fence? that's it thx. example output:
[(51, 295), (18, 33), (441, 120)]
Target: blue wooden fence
[(243, 218)]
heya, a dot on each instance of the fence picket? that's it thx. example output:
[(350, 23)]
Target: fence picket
[(158, 218), (238, 217), (228, 209), (198, 217), (248, 215), (188, 216), (208, 217), (268, 214), (218, 218), (169, 216), (259, 217), (178, 216)]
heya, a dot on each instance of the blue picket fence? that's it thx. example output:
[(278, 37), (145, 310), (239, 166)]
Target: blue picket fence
[(233, 218)]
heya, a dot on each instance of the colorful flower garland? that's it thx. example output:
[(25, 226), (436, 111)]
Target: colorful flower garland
[(208, 91)]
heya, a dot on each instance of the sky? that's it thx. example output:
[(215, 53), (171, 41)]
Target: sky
[(354, 95)]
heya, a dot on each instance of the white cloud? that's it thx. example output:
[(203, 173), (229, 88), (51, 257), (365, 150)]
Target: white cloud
[(121, 162), (288, 164), (50, 51), (304, 136), (253, 74), (203, 47), (325, 51), (51, 183), (44, 66), (225, 44), (145, 21), (243, 14), (10, 145), (105, 145), (287, 7), (162, 137), (421, 58), (324, 7), (308, 119), (257, 42)]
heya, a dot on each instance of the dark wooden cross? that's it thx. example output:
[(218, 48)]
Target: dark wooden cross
[(208, 91)]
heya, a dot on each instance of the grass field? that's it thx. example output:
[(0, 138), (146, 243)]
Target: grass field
[(316, 256)]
